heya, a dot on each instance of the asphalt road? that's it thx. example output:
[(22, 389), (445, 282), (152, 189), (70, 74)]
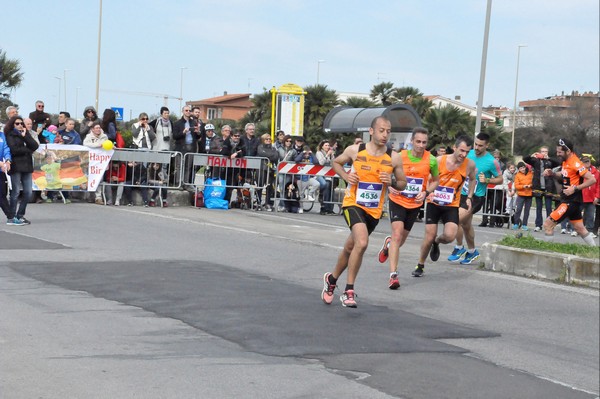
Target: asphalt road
[(107, 302)]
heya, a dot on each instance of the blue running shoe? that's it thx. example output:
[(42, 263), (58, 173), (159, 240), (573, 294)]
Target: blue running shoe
[(470, 258), (17, 222), (457, 254)]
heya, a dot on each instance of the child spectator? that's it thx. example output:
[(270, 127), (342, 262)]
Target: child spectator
[(292, 198), (157, 177), (48, 135), (509, 187), (116, 177), (523, 183)]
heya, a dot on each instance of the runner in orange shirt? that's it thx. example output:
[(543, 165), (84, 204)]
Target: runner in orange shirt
[(404, 206), (373, 165), (575, 177), (444, 202)]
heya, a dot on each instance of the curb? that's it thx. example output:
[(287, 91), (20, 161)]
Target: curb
[(561, 268)]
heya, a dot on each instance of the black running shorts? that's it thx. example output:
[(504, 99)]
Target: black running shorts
[(398, 213), (476, 203), (355, 214), (434, 213)]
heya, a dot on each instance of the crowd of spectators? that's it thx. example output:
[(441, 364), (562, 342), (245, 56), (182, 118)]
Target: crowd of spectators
[(523, 184)]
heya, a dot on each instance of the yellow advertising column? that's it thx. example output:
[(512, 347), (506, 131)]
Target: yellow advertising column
[(287, 110)]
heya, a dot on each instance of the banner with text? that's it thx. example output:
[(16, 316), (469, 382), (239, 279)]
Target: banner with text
[(69, 167)]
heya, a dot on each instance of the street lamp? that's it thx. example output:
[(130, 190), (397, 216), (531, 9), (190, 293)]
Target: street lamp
[(58, 103), (318, 69), (99, 47), (486, 35), (514, 114), (65, 83), (77, 98), (181, 88)]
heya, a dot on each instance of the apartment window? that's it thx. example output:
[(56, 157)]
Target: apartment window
[(211, 113)]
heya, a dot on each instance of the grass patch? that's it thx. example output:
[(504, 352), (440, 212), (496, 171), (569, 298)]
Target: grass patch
[(528, 242)]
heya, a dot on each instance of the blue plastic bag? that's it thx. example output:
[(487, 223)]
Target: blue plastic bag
[(214, 194), (215, 203), (214, 188)]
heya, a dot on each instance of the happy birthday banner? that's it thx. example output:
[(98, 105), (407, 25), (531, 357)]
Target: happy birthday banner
[(69, 167)]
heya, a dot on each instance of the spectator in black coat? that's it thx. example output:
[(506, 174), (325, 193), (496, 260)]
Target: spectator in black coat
[(543, 186), (233, 148), (22, 145)]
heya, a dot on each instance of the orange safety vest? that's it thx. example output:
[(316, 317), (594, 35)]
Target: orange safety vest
[(447, 192), (417, 176), (368, 193)]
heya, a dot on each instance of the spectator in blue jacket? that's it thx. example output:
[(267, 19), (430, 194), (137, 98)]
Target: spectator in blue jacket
[(5, 162), (69, 135)]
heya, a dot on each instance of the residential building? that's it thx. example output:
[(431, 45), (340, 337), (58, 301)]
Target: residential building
[(532, 112), (227, 106), (440, 102)]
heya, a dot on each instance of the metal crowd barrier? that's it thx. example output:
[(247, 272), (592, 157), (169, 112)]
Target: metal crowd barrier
[(494, 207), (247, 176), (298, 173), (144, 170)]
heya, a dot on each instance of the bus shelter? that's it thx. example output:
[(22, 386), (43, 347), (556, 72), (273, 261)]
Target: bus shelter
[(356, 121)]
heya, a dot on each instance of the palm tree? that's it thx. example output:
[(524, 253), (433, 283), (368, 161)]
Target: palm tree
[(499, 140), (382, 93), (422, 105), (260, 113), (10, 75), (406, 94), (358, 102), (446, 124), (318, 101), (10, 78)]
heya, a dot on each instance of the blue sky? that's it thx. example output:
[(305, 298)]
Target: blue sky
[(241, 46)]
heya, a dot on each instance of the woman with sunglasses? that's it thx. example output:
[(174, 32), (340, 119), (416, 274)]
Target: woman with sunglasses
[(22, 145), (142, 133), (89, 117)]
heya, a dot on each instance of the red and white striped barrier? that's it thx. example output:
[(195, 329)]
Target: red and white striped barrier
[(306, 169)]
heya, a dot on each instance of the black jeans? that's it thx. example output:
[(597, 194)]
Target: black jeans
[(539, 220)]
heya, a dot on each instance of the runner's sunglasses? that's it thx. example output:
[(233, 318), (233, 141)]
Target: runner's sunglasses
[(562, 143)]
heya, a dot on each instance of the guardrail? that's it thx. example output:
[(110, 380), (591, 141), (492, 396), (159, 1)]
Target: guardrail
[(248, 176), (144, 170), (494, 207)]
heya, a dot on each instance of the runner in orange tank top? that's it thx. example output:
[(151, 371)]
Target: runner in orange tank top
[(372, 167), (404, 206), (575, 177), (444, 202)]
